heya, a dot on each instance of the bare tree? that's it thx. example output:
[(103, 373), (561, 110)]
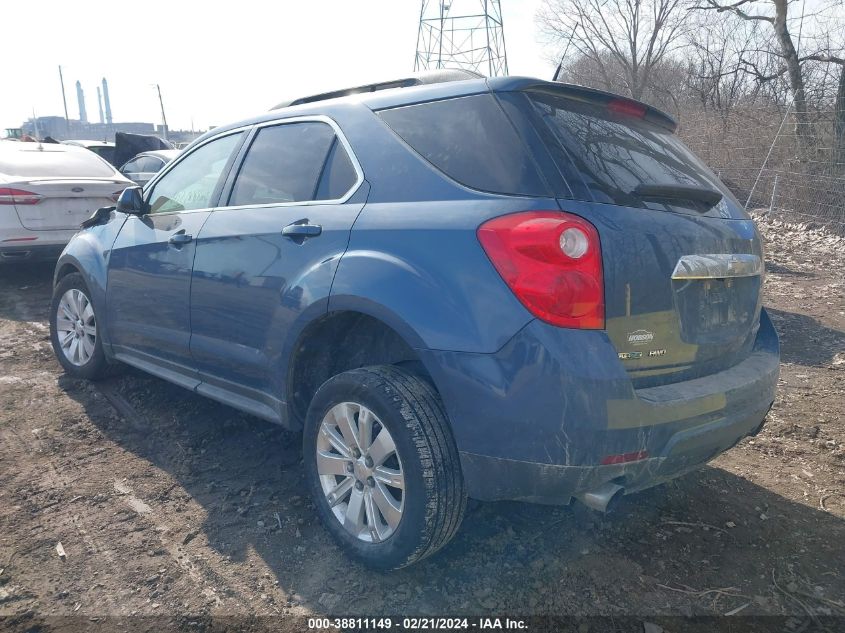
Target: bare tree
[(790, 63), (623, 41), (713, 48), (839, 123)]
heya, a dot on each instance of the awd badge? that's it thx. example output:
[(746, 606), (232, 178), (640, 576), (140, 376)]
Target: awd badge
[(633, 355)]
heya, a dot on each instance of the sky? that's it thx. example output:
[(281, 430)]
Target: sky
[(216, 62)]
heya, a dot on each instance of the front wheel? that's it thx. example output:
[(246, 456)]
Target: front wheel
[(74, 331), (382, 466)]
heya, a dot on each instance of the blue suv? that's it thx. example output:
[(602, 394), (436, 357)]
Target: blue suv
[(453, 286)]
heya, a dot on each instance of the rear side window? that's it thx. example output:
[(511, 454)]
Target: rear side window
[(339, 174), (605, 156), (150, 164), (143, 164), (293, 162), (471, 140)]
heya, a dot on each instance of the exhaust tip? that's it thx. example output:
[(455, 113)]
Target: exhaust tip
[(604, 498)]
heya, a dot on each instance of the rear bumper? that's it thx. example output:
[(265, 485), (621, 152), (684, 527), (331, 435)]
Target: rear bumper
[(492, 478), (30, 252), (533, 421)]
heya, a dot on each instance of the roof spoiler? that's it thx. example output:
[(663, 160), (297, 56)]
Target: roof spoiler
[(416, 79), (607, 99)]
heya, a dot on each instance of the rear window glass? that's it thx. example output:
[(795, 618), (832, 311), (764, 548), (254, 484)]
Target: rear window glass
[(471, 140), (106, 153), (52, 162), (605, 156)]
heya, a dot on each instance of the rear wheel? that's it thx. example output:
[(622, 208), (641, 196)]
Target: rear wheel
[(382, 466), (73, 330)]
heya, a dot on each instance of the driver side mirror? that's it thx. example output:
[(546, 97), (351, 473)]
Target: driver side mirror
[(132, 201)]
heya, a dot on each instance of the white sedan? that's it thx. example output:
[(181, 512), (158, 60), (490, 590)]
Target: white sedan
[(47, 190)]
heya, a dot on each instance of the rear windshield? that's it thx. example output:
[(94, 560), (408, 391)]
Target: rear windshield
[(605, 156), (51, 161), (471, 140), (104, 152)]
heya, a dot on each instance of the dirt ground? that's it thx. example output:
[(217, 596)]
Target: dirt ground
[(168, 503)]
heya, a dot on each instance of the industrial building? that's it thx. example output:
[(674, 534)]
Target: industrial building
[(62, 128)]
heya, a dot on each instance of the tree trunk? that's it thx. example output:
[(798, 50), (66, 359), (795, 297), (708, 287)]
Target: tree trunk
[(803, 133), (839, 125)]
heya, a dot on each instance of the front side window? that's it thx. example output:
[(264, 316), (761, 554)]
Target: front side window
[(192, 182), (293, 162)]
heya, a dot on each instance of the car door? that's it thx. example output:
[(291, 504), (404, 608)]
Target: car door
[(269, 253), (149, 276)]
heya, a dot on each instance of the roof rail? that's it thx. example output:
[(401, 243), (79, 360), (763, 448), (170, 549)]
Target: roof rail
[(416, 79)]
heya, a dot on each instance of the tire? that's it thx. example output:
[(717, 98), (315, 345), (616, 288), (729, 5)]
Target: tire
[(432, 499), (86, 359)]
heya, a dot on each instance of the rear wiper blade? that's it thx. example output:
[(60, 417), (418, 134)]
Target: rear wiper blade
[(708, 198)]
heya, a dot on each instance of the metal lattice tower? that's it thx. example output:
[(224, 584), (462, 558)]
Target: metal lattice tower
[(466, 34)]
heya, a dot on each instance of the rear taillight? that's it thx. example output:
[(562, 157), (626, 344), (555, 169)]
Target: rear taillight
[(552, 263), (18, 196), (116, 195)]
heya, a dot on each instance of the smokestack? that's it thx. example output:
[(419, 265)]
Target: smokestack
[(80, 97), (106, 101), (100, 105)]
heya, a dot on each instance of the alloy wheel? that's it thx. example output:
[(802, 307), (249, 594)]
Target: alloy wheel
[(76, 327), (360, 472)]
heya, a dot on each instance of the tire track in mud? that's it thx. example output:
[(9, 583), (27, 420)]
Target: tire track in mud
[(59, 520), (210, 582), (61, 464)]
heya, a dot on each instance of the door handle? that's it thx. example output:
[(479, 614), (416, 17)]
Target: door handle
[(180, 238), (302, 230)]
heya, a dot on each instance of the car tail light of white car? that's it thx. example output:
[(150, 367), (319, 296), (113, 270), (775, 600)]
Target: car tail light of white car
[(18, 196)]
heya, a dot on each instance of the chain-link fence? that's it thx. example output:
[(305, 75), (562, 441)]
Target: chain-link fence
[(772, 161)]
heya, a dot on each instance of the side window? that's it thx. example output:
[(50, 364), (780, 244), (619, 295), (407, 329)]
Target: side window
[(151, 164), (131, 167), (338, 174), (470, 140), (285, 163), (191, 183)]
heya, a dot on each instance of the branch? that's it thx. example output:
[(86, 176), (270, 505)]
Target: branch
[(828, 59), (712, 5), (757, 73)]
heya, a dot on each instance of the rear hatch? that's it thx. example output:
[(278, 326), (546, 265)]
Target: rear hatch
[(682, 260), (59, 185)]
